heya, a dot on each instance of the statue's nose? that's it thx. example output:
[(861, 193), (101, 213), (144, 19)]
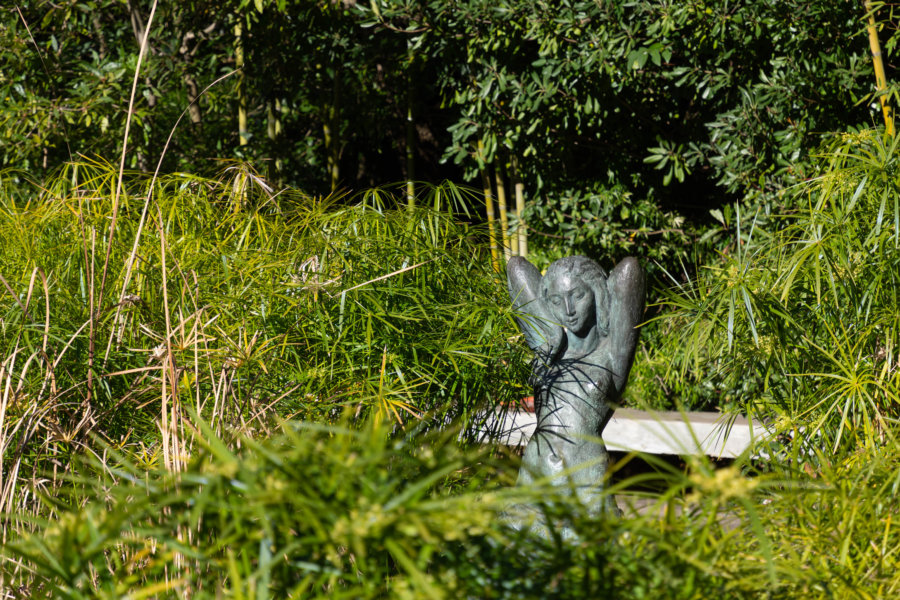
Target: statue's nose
[(570, 307)]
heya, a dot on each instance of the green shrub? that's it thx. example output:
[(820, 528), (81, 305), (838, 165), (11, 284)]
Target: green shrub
[(607, 223)]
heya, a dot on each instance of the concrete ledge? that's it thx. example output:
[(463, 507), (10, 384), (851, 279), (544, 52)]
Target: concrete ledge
[(696, 433)]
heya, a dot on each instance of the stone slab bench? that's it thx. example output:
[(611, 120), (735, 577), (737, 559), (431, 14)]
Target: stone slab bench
[(630, 430)]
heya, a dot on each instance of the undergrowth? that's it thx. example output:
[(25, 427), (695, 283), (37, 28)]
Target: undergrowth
[(254, 414), (353, 512), (236, 301)]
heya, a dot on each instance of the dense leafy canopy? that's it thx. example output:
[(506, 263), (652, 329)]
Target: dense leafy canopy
[(690, 103)]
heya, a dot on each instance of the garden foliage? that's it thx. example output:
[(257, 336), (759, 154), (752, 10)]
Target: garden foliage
[(799, 317), (242, 304), (688, 104), (246, 506), (331, 512), (217, 386)]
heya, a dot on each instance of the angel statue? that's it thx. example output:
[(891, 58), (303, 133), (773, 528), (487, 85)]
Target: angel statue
[(582, 326)]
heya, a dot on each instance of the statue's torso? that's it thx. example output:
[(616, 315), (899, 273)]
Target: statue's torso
[(573, 394)]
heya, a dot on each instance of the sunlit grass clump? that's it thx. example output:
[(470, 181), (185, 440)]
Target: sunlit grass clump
[(121, 309)]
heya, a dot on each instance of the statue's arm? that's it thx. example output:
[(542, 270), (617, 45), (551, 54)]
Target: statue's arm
[(533, 317), (626, 307)]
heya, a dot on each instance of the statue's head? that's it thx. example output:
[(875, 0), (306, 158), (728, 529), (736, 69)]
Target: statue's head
[(574, 290)]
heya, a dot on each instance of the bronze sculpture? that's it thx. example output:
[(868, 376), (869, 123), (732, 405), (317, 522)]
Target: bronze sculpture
[(582, 326)]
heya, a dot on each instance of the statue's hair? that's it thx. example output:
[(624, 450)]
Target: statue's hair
[(592, 275)]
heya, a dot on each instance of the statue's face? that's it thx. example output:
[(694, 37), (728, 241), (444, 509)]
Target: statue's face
[(572, 303)]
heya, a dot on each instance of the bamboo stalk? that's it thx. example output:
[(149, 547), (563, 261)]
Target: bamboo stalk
[(514, 236), (242, 97), (270, 119), (273, 129), (489, 209), (880, 77), (279, 110), (279, 163), (504, 216), (522, 232), (330, 129), (410, 153), (410, 133)]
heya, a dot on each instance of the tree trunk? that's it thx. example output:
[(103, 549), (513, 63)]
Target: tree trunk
[(193, 94), (98, 31), (137, 26)]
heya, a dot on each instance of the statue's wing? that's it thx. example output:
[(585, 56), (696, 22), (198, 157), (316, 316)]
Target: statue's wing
[(535, 321), (626, 309)]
